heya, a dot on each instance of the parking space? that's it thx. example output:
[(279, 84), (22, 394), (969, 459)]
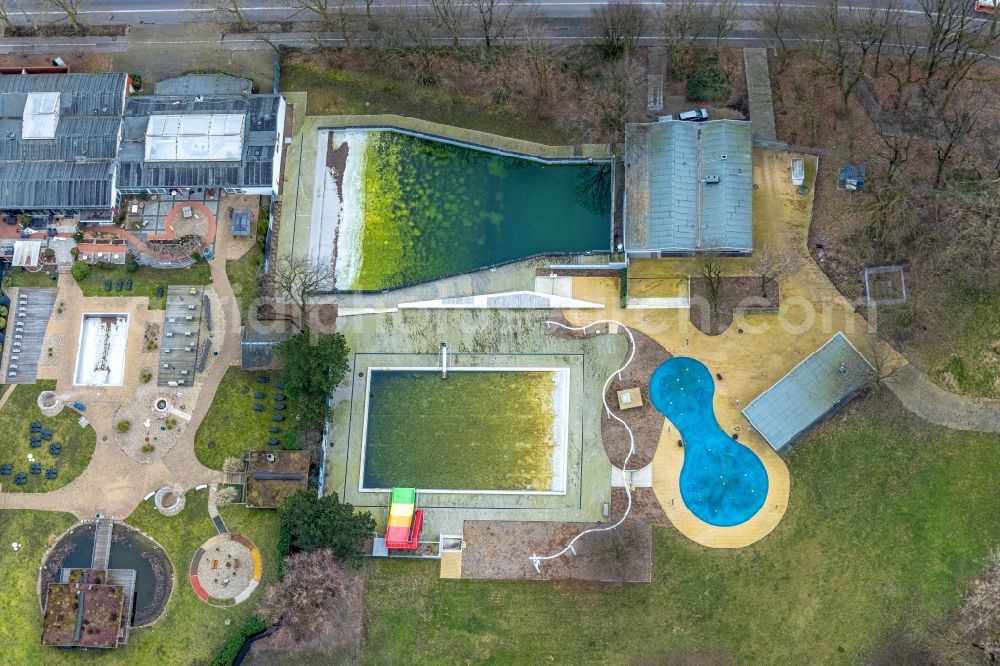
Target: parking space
[(181, 327), (29, 317)]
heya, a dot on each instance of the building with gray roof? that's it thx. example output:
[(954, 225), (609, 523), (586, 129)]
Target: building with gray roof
[(59, 137), (816, 388), (72, 144), (688, 188)]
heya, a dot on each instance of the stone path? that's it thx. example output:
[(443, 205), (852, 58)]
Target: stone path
[(759, 94), (932, 403), (6, 394), (114, 483)]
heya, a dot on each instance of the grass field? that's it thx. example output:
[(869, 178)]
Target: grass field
[(887, 523), (190, 632), (15, 420), (972, 358), (145, 281), (18, 277), (344, 92), (232, 427), (244, 274)]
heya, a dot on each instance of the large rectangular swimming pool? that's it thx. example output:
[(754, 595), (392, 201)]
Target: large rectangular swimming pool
[(494, 430)]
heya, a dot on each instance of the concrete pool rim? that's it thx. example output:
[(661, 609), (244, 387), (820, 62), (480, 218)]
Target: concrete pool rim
[(561, 393)]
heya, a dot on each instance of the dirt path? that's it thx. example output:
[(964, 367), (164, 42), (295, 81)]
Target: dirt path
[(114, 483), (6, 394)]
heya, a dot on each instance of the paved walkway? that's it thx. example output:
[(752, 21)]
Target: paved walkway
[(759, 94), (932, 403), (114, 483)]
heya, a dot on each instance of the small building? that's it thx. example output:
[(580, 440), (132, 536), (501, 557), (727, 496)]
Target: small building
[(272, 476), (85, 610), (258, 341), (815, 389), (688, 188), (241, 222)]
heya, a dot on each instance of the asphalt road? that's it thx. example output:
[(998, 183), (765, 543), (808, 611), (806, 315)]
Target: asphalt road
[(139, 12)]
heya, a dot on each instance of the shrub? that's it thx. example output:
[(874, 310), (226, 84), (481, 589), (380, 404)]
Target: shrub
[(80, 271), (226, 655), (196, 255), (50, 253), (3, 323), (131, 265), (74, 252), (3, 310), (78, 237), (147, 448), (146, 376), (123, 426), (707, 81)]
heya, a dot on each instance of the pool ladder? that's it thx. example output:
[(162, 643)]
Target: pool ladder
[(444, 360)]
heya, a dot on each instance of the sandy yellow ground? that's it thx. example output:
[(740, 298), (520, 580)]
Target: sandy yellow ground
[(811, 312)]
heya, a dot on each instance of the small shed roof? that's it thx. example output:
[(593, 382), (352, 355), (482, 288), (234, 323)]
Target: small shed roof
[(818, 386)]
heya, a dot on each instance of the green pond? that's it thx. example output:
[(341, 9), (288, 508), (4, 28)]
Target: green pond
[(483, 430), (428, 209)]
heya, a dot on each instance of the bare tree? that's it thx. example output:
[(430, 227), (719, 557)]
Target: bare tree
[(337, 16), (869, 26), (5, 13), (70, 9), (296, 281), (956, 40), (309, 595), (886, 363), (711, 271), (537, 50), (727, 17), (232, 10), (952, 127), (682, 23), (769, 263), (452, 16), (619, 26), (779, 19), (494, 16), (617, 97)]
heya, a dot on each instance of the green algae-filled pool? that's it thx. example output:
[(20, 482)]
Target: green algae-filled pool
[(414, 209), (492, 430)]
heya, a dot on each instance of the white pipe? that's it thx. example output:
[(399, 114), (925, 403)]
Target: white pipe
[(537, 559)]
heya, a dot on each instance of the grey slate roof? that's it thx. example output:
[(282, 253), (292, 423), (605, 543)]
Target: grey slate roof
[(75, 168), (255, 169), (204, 84), (241, 222), (814, 389), (668, 205)]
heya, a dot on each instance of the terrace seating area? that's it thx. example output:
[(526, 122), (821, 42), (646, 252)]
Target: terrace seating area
[(29, 317), (181, 332)]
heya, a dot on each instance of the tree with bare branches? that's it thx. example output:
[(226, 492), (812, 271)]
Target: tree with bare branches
[(308, 596), (726, 15), (618, 26), (494, 17), (296, 281), (452, 16), (234, 12), (70, 9), (337, 16), (5, 11), (682, 23), (711, 272), (769, 263), (779, 19), (886, 363)]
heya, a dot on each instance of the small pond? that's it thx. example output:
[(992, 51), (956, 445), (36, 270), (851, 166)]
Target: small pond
[(129, 550)]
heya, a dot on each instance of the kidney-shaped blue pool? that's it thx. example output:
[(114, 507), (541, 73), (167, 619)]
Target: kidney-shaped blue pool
[(722, 482)]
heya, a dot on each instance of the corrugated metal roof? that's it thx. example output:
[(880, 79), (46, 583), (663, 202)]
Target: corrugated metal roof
[(669, 205), (40, 185), (819, 385), (204, 84)]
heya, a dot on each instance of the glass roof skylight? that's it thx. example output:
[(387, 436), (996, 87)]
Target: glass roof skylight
[(195, 137), (41, 115)]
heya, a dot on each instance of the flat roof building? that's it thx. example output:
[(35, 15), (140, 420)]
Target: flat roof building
[(688, 188), (820, 385)]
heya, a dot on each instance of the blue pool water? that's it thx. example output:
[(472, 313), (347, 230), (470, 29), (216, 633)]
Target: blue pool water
[(722, 482)]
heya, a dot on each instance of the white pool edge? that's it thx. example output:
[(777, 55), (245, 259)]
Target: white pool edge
[(79, 349), (560, 428)]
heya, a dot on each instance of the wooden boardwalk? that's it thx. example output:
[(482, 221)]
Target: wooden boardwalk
[(102, 544)]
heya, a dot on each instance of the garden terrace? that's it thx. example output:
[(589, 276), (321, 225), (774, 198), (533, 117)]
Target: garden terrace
[(273, 476)]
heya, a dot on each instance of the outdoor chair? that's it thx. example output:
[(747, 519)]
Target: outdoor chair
[(119, 284), (51, 473), (55, 449), (275, 429), (258, 407), (36, 468), (20, 479), (273, 442), (128, 284), (107, 285), (5, 469), (35, 444), (279, 397), (263, 379), (260, 395), (278, 417)]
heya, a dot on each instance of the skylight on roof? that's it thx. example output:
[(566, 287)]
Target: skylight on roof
[(41, 115), (195, 137)]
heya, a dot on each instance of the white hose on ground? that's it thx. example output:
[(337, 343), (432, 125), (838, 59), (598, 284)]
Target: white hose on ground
[(538, 559)]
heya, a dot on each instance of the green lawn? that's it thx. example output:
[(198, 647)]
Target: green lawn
[(233, 425), (887, 522), (973, 327), (15, 419), (344, 92), (190, 632), (244, 274), (145, 281), (18, 277)]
